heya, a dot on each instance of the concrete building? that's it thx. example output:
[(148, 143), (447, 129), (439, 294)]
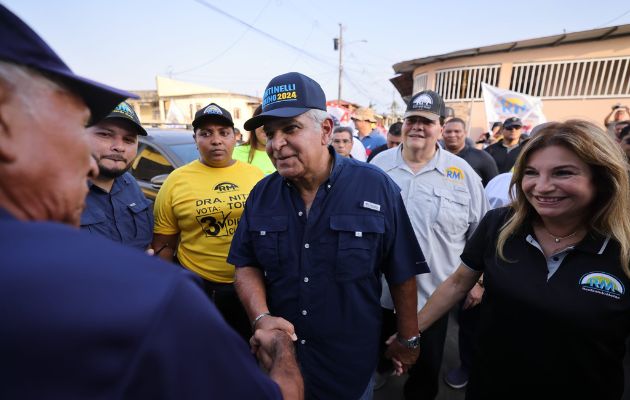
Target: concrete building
[(176, 102), (577, 75)]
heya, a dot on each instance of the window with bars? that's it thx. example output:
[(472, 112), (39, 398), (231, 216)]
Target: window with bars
[(604, 77), (465, 83), (420, 83)]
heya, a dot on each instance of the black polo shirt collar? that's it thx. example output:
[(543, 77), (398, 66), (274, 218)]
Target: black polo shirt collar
[(593, 242)]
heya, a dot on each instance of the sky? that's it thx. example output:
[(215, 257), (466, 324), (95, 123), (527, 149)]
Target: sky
[(240, 45)]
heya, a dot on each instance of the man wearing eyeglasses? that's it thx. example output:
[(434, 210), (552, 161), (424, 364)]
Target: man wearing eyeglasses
[(506, 151)]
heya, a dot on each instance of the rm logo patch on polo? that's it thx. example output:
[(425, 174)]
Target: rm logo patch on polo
[(602, 283), (454, 173)]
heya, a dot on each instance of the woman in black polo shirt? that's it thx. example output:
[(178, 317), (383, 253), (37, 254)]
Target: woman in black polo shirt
[(556, 271)]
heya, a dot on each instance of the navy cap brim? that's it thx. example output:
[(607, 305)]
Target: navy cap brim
[(99, 98), (287, 112), (425, 114), (21, 45), (141, 131)]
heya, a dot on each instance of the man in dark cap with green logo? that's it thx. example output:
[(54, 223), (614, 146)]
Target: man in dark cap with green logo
[(115, 206)]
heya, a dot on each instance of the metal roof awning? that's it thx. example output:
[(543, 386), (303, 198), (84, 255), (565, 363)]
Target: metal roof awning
[(404, 80)]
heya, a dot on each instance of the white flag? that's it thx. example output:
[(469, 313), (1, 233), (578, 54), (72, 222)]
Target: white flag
[(502, 104), (175, 115)]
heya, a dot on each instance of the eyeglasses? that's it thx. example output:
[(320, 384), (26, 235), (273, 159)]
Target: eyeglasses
[(512, 128)]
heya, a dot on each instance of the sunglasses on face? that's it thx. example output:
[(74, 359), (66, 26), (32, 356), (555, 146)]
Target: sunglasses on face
[(512, 128)]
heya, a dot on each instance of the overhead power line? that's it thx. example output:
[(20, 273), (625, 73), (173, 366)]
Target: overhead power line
[(614, 19), (221, 54), (263, 33)]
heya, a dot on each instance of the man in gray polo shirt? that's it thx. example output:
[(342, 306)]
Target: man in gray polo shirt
[(445, 200)]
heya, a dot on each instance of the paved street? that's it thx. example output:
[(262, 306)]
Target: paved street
[(393, 389)]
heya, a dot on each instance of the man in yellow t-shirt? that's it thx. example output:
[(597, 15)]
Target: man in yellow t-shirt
[(198, 208)]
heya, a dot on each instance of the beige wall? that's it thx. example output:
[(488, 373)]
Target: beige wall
[(593, 109), (153, 107), (189, 105)]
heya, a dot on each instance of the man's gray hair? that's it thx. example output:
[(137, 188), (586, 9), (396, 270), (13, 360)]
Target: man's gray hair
[(28, 80), (318, 116)]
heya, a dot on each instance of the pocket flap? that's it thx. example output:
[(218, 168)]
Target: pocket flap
[(92, 216), (138, 207), (460, 198), (358, 223)]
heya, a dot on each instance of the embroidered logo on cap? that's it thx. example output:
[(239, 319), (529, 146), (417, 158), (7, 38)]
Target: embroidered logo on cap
[(602, 283), (123, 108), (278, 93), (424, 102), (212, 109)]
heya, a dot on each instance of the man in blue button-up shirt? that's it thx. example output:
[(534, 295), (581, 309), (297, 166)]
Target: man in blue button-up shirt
[(313, 242), (115, 206)]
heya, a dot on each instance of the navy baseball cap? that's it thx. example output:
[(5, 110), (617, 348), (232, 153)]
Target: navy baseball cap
[(21, 45), (287, 96), (512, 122), (213, 111), (427, 104), (125, 112)]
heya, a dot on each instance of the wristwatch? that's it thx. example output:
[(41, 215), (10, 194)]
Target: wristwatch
[(411, 343)]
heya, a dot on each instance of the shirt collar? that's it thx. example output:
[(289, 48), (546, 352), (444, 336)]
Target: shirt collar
[(437, 162), (593, 242), (338, 164), (117, 186), (464, 149)]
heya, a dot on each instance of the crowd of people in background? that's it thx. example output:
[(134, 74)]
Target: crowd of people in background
[(333, 254)]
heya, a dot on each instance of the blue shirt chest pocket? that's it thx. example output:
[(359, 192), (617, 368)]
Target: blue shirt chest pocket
[(141, 232), (265, 233), (94, 220), (358, 245)]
